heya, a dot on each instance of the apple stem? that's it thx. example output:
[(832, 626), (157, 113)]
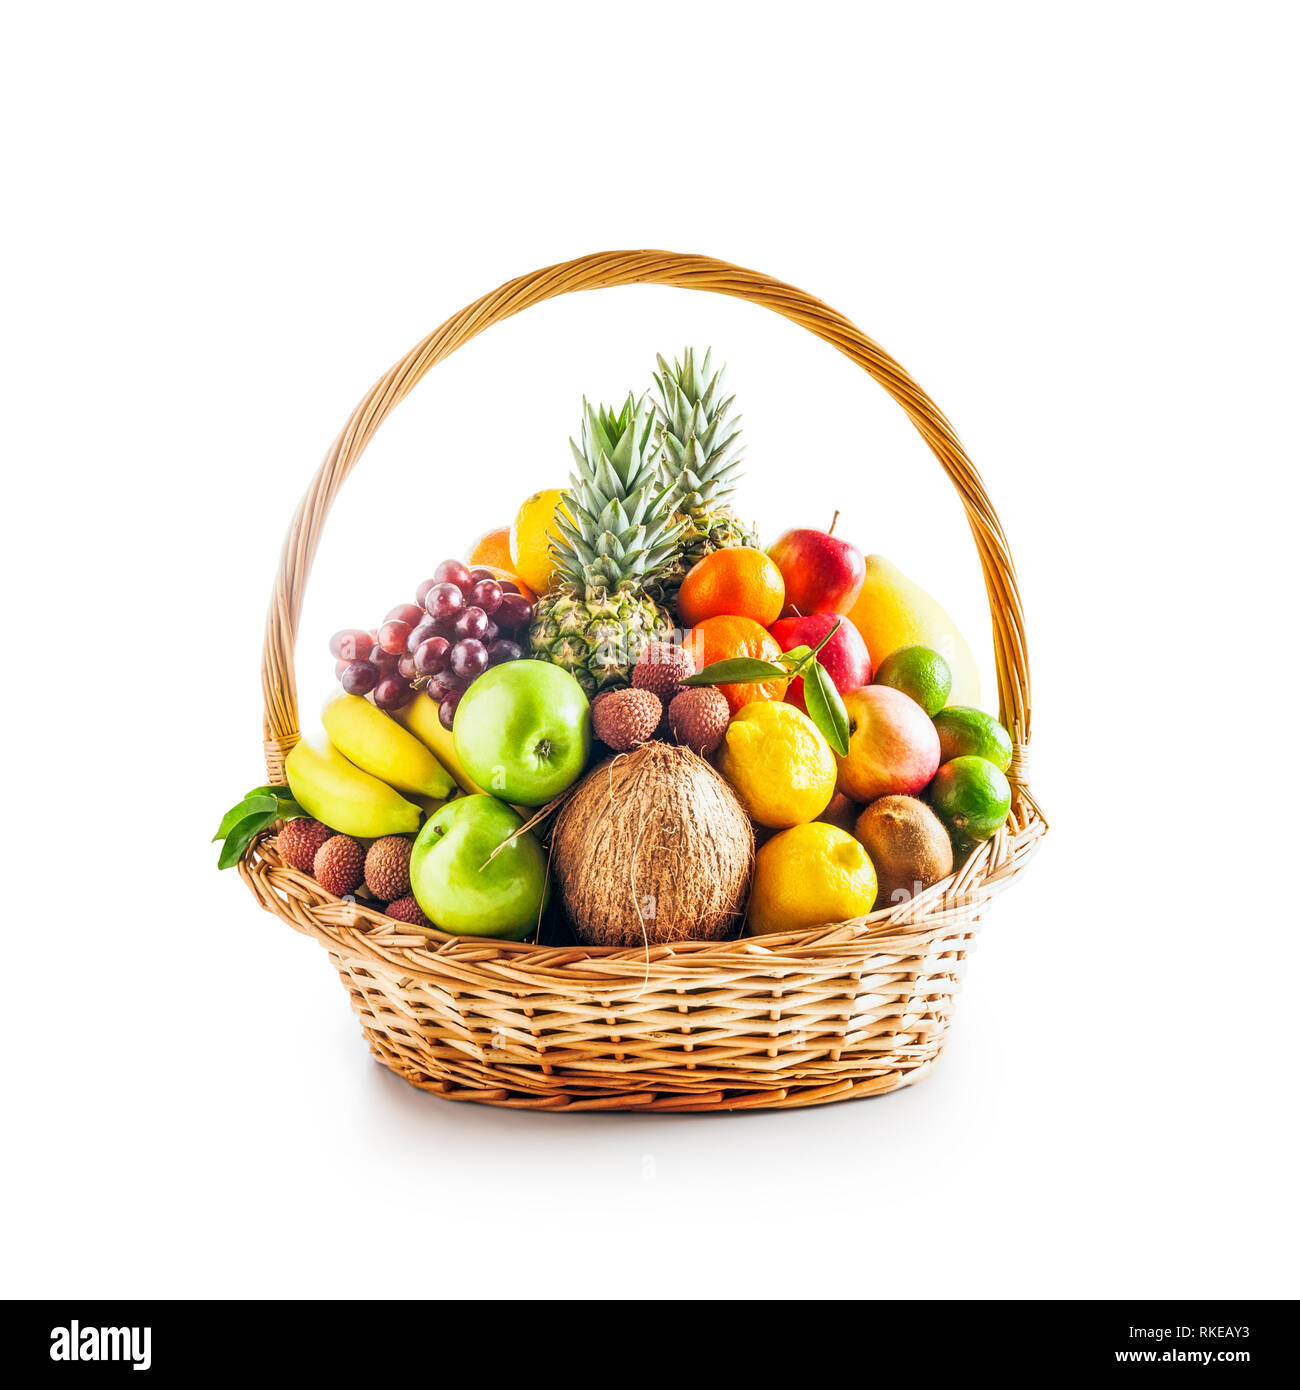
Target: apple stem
[(830, 530)]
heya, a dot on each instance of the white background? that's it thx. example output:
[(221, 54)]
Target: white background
[(1075, 225)]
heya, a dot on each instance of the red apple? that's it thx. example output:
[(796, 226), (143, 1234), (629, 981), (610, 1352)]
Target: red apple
[(845, 656), (822, 573)]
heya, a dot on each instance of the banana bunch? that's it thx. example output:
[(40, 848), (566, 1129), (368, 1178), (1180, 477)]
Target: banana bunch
[(369, 775)]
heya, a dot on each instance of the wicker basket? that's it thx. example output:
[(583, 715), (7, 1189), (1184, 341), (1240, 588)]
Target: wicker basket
[(850, 1009)]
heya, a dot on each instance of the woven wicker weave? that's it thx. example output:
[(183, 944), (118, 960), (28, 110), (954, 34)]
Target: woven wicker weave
[(849, 1009)]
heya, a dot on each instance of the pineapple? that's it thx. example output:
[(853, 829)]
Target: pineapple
[(701, 455), (598, 618)]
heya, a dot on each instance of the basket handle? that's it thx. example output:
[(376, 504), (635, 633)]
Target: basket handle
[(604, 270)]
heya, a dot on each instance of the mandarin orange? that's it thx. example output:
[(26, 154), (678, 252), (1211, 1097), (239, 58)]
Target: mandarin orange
[(492, 548), (739, 581), (729, 635)]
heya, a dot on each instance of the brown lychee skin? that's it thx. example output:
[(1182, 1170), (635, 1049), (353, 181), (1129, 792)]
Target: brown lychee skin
[(299, 840), (408, 910), (662, 668), (388, 867), (624, 719), (699, 717), (339, 865)]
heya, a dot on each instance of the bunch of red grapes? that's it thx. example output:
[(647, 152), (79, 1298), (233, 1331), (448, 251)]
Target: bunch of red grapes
[(462, 621)]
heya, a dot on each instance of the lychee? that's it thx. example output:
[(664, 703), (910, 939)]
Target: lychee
[(624, 719), (408, 910), (662, 668), (388, 863), (339, 865), (299, 840), (699, 717)]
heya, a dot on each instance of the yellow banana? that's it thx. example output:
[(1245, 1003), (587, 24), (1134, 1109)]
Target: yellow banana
[(343, 797), (420, 717), (368, 737)]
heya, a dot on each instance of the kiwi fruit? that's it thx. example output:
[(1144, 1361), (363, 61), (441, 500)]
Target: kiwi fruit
[(908, 845), (842, 813)]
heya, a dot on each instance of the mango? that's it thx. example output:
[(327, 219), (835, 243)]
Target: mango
[(892, 612)]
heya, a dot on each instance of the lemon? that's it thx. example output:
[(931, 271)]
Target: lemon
[(780, 766), (530, 543), (807, 876)]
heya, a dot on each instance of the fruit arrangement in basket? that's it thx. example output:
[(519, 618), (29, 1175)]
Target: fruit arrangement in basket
[(621, 720)]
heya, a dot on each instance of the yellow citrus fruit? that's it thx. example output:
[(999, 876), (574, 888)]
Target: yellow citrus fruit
[(531, 537), (780, 766), (808, 876)]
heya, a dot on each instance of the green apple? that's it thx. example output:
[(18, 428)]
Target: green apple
[(523, 731), (459, 891)]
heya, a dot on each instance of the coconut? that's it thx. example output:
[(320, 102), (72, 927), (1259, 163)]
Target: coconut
[(653, 846)]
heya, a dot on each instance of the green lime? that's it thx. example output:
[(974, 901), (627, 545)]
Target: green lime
[(971, 797), (966, 732), (919, 672)]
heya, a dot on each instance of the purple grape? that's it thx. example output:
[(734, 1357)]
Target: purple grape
[(431, 656), (422, 590), (515, 612), (386, 661), (447, 709), (443, 684), (453, 572), (487, 595), (476, 576), (421, 632), (503, 649), (392, 636), (351, 644), (473, 622), (360, 677), (409, 613), (393, 692), (469, 658), (406, 667), (444, 600)]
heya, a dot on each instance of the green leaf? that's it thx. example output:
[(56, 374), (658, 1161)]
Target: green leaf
[(253, 804), (825, 708), (241, 835), (735, 669), (289, 808), (795, 657)]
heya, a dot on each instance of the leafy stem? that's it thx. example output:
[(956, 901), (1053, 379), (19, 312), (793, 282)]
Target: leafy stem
[(245, 820), (825, 707)]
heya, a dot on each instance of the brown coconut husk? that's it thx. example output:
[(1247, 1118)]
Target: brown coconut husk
[(652, 846)]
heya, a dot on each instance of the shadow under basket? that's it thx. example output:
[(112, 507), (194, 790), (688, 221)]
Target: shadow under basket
[(844, 1010)]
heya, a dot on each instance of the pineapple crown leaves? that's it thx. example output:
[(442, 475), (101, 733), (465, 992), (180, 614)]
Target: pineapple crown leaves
[(622, 528), (701, 448)]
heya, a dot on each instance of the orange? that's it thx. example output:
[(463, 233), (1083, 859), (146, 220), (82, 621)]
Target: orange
[(739, 581), (725, 636), (492, 548)]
